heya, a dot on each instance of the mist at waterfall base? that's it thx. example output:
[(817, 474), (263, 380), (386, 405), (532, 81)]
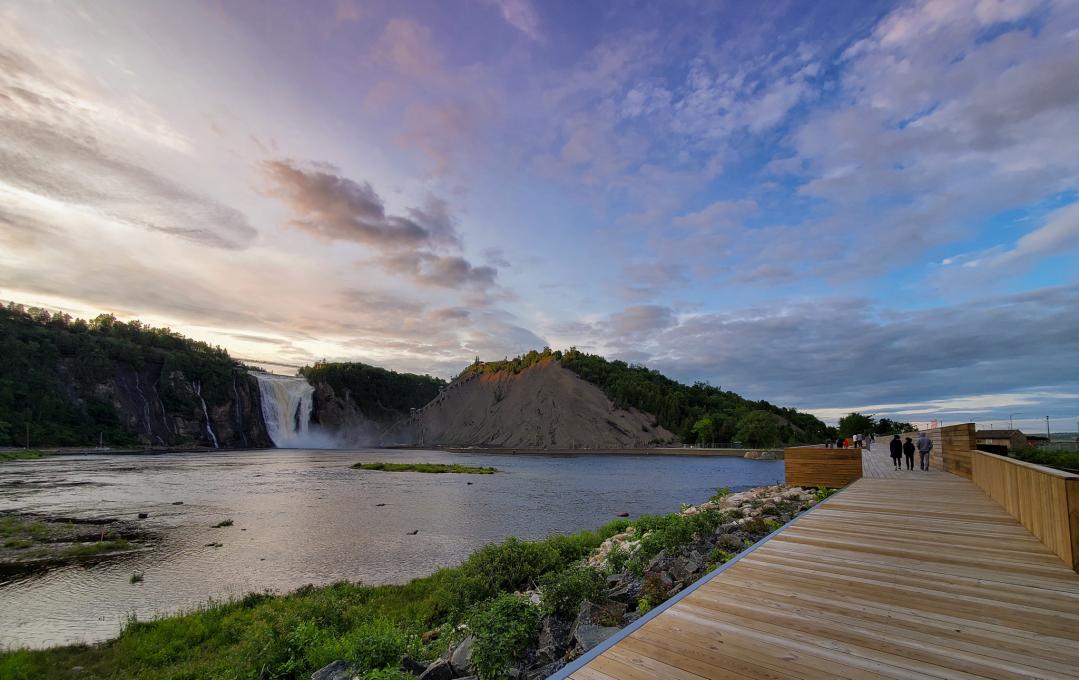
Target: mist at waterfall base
[(287, 403)]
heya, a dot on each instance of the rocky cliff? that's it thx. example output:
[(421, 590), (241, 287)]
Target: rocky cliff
[(543, 406), (71, 382)]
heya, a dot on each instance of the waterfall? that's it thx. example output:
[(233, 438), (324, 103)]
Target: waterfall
[(286, 409), (197, 387)]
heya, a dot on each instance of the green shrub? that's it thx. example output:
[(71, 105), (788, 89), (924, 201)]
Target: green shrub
[(501, 631), (1063, 460), (564, 591), (824, 492), (720, 494), (508, 566), (617, 558)]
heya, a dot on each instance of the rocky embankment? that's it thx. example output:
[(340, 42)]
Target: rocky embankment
[(627, 575)]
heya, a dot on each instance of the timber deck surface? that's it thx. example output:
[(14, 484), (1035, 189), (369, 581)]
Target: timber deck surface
[(901, 575)]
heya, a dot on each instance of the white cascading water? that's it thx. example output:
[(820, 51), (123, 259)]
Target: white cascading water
[(286, 409)]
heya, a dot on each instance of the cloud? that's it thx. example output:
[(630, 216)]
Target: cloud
[(65, 142), (448, 271), (839, 352), (640, 319), (521, 15), (330, 206)]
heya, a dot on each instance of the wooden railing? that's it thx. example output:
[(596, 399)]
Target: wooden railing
[(952, 446), (1044, 500), (820, 466)]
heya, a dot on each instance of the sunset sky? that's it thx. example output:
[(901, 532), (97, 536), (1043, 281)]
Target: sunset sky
[(835, 206)]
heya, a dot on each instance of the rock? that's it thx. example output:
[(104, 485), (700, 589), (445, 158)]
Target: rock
[(554, 637), (143, 515), (338, 670), (655, 562), (177, 502), (410, 665), (543, 672), (588, 635), (461, 658), (623, 514), (413, 532), (627, 592), (439, 670), (430, 635), (380, 505)]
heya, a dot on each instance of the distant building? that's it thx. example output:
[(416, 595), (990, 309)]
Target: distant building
[(1001, 441), (1036, 440)]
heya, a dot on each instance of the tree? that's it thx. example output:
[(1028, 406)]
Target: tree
[(760, 428), (889, 426), (705, 430), (854, 423)]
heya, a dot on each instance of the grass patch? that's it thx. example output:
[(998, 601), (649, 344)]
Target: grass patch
[(20, 454), (433, 468), (223, 523), (88, 549), (136, 578), (27, 528), (18, 543)]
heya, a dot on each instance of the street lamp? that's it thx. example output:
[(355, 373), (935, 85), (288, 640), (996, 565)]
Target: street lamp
[(1010, 416)]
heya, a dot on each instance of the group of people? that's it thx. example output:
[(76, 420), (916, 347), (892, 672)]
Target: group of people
[(904, 451), (857, 441)]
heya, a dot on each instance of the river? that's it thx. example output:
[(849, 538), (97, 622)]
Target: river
[(304, 516)]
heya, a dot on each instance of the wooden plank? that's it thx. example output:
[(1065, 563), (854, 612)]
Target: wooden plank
[(818, 466), (915, 577)]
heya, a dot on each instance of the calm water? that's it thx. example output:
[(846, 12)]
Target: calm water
[(305, 517)]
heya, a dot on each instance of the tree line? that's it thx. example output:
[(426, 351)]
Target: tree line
[(378, 392), (56, 369)]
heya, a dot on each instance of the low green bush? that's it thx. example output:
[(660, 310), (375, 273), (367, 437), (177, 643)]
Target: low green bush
[(501, 631), (1061, 460), (564, 591)]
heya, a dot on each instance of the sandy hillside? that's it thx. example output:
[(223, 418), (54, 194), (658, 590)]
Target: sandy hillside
[(543, 406)]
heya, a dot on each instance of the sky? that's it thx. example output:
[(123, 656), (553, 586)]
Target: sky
[(836, 206)]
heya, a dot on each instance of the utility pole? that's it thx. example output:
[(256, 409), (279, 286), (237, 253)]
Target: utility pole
[(28, 436), (1047, 435)]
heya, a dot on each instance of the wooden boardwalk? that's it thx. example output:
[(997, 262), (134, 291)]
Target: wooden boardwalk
[(901, 575)]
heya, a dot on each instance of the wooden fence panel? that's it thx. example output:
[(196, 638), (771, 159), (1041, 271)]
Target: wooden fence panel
[(819, 466), (1044, 500)]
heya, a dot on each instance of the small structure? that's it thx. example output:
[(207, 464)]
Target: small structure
[(1000, 441)]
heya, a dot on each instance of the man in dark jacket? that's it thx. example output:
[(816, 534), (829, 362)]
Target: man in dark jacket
[(908, 453), (896, 448)]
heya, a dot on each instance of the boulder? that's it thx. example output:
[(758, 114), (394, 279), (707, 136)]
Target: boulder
[(338, 670), (461, 658), (410, 665), (439, 670), (588, 635), (543, 672)]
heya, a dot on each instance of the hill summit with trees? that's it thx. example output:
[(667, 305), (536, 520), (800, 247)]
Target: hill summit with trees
[(670, 411)]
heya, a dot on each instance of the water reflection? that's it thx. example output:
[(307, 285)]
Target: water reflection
[(306, 517)]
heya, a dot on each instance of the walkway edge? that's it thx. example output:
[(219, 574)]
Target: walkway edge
[(586, 658)]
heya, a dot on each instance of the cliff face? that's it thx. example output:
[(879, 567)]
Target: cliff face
[(168, 408), (339, 416), (542, 406)]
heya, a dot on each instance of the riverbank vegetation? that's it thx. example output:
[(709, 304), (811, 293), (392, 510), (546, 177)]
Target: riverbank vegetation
[(520, 604), (431, 468), (699, 413), (20, 454), (29, 540)]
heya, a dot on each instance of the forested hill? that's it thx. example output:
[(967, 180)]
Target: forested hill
[(73, 382), (698, 413), (381, 394)]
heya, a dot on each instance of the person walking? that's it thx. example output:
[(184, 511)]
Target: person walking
[(908, 453), (896, 447), (925, 445)]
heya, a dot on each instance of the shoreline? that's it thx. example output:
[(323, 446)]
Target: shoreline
[(677, 548), (654, 451)]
